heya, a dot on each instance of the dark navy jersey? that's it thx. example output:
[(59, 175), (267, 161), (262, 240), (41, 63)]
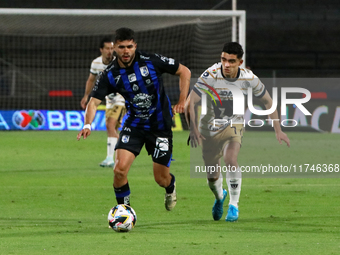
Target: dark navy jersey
[(141, 84)]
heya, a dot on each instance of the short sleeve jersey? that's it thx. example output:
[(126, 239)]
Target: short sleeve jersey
[(141, 85), (213, 80), (97, 67)]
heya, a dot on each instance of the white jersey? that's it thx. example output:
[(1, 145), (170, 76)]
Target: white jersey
[(97, 67), (218, 116)]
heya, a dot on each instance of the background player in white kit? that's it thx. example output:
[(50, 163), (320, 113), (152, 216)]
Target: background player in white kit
[(224, 139), (115, 103)]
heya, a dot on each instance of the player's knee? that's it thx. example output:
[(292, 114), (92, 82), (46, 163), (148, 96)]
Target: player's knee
[(109, 127), (212, 179), (162, 180), (230, 161), (120, 170), (118, 173)]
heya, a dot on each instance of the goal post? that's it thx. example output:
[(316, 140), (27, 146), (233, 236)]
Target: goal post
[(44, 50)]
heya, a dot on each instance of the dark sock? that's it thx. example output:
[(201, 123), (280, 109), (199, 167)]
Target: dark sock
[(123, 194), (171, 187)]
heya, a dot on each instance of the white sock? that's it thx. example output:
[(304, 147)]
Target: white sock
[(216, 188), (111, 144), (234, 181)]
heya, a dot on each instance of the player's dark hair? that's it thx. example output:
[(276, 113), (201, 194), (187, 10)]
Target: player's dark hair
[(124, 34), (233, 48), (105, 40)]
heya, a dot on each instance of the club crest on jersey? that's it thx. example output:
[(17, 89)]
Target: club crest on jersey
[(135, 87), (245, 84), (125, 138), (132, 77), (144, 71), (148, 81)]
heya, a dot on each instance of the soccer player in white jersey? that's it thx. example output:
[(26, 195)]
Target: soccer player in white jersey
[(115, 103), (224, 138)]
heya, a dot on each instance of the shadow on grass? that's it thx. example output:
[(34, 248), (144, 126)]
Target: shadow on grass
[(20, 227)]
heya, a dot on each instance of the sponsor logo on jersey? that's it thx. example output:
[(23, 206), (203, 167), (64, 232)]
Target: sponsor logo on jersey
[(144, 71), (143, 100), (162, 144), (127, 129), (144, 57), (205, 74), (125, 138), (148, 81), (110, 67), (143, 115), (135, 87), (164, 59), (132, 77), (171, 61), (226, 94)]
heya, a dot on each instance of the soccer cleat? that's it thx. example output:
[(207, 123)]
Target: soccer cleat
[(170, 200), (217, 210), (232, 213), (108, 162)]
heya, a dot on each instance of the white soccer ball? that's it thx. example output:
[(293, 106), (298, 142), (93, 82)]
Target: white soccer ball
[(122, 218)]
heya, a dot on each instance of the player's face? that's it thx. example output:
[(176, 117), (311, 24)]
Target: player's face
[(107, 52), (230, 64), (125, 51)]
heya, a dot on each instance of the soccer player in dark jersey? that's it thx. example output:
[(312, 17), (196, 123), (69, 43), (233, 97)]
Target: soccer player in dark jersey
[(137, 76)]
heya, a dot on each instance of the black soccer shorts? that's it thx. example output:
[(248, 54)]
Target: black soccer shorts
[(157, 143)]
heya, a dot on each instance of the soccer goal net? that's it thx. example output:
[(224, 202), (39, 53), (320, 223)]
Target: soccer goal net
[(45, 54)]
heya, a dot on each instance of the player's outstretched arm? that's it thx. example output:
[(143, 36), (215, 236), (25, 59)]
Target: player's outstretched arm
[(88, 88), (184, 83), (90, 112), (187, 111), (280, 136), (190, 114)]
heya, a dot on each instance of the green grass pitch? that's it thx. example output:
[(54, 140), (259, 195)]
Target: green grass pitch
[(54, 199)]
